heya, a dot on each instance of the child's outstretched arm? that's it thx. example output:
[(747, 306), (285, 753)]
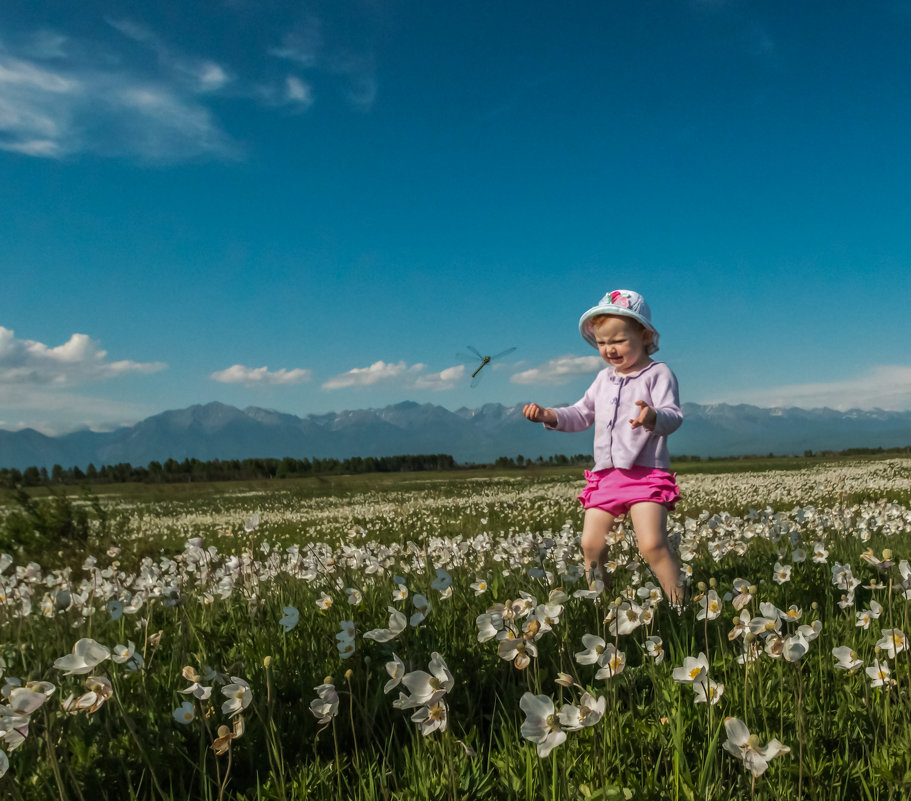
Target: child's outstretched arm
[(661, 413), (647, 416), (538, 414)]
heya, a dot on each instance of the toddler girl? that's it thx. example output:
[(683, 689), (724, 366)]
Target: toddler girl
[(634, 405)]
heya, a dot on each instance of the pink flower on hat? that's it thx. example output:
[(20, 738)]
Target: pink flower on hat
[(618, 299)]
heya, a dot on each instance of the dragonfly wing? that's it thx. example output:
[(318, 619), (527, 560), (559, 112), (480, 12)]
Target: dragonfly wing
[(475, 352), (503, 353)]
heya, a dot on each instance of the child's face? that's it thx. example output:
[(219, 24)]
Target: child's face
[(622, 343)]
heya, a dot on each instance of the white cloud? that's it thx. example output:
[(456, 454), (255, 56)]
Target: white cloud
[(211, 76), (59, 109), (302, 45), (885, 387), (307, 46), (252, 376), (198, 74), (296, 91), (62, 411), (61, 96), (377, 372), (445, 379), (37, 381), (46, 44), (558, 371), (78, 360)]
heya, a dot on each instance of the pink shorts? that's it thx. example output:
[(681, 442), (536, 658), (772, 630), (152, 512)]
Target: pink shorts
[(615, 490)]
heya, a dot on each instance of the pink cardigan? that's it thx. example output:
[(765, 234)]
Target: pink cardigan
[(610, 403)]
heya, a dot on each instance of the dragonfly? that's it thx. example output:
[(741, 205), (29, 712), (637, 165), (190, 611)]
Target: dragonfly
[(485, 360)]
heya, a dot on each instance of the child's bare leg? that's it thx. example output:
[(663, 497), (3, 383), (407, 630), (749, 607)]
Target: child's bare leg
[(596, 527), (650, 524)]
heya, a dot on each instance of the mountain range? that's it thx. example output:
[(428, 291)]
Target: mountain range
[(218, 431)]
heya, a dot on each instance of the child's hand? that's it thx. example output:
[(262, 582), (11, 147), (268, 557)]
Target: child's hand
[(536, 414), (647, 416)]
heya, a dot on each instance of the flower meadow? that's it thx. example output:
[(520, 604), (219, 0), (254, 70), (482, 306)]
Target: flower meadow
[(435, 638)]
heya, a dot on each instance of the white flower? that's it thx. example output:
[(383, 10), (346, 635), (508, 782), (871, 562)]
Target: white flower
[(421, 610), (654, 648), (517, 650), (707, 691), (428, 688), (741, 625), (594, 647), (396, 670), (867, 616), (588, 713), (795, 648), (99, 690), (354, 596), (628, 619), (695, 668), (85, 656), (479, 586), (846, 658), (345, 646), (612, 662), (238, 694), (541, 725), (709, 606), (743, 596), (782, 573), (24, 700), (432, 717), (197, 691), (764, 626), (847, 600), (397, 624), (593, 593), (843, 578), (811, 632), (649, 593), (488, 626), (291, 618), (324, 601), (126, 654), (745, 746), (548, 615), (880, 674), (185, 713), (893, 641), (325, 706)]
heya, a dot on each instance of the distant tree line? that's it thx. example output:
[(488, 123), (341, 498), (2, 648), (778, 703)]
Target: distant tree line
[(558, 460), (172, 471), (808, 454)]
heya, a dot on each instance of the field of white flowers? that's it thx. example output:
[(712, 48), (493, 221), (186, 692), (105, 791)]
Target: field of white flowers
[(434, 638)]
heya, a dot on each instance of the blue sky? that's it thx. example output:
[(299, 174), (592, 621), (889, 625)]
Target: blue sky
[(314, 206)]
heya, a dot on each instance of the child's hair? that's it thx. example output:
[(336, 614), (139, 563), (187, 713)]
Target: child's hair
[(600, 318)]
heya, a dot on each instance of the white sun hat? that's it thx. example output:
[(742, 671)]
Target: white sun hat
[(624, 303)]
